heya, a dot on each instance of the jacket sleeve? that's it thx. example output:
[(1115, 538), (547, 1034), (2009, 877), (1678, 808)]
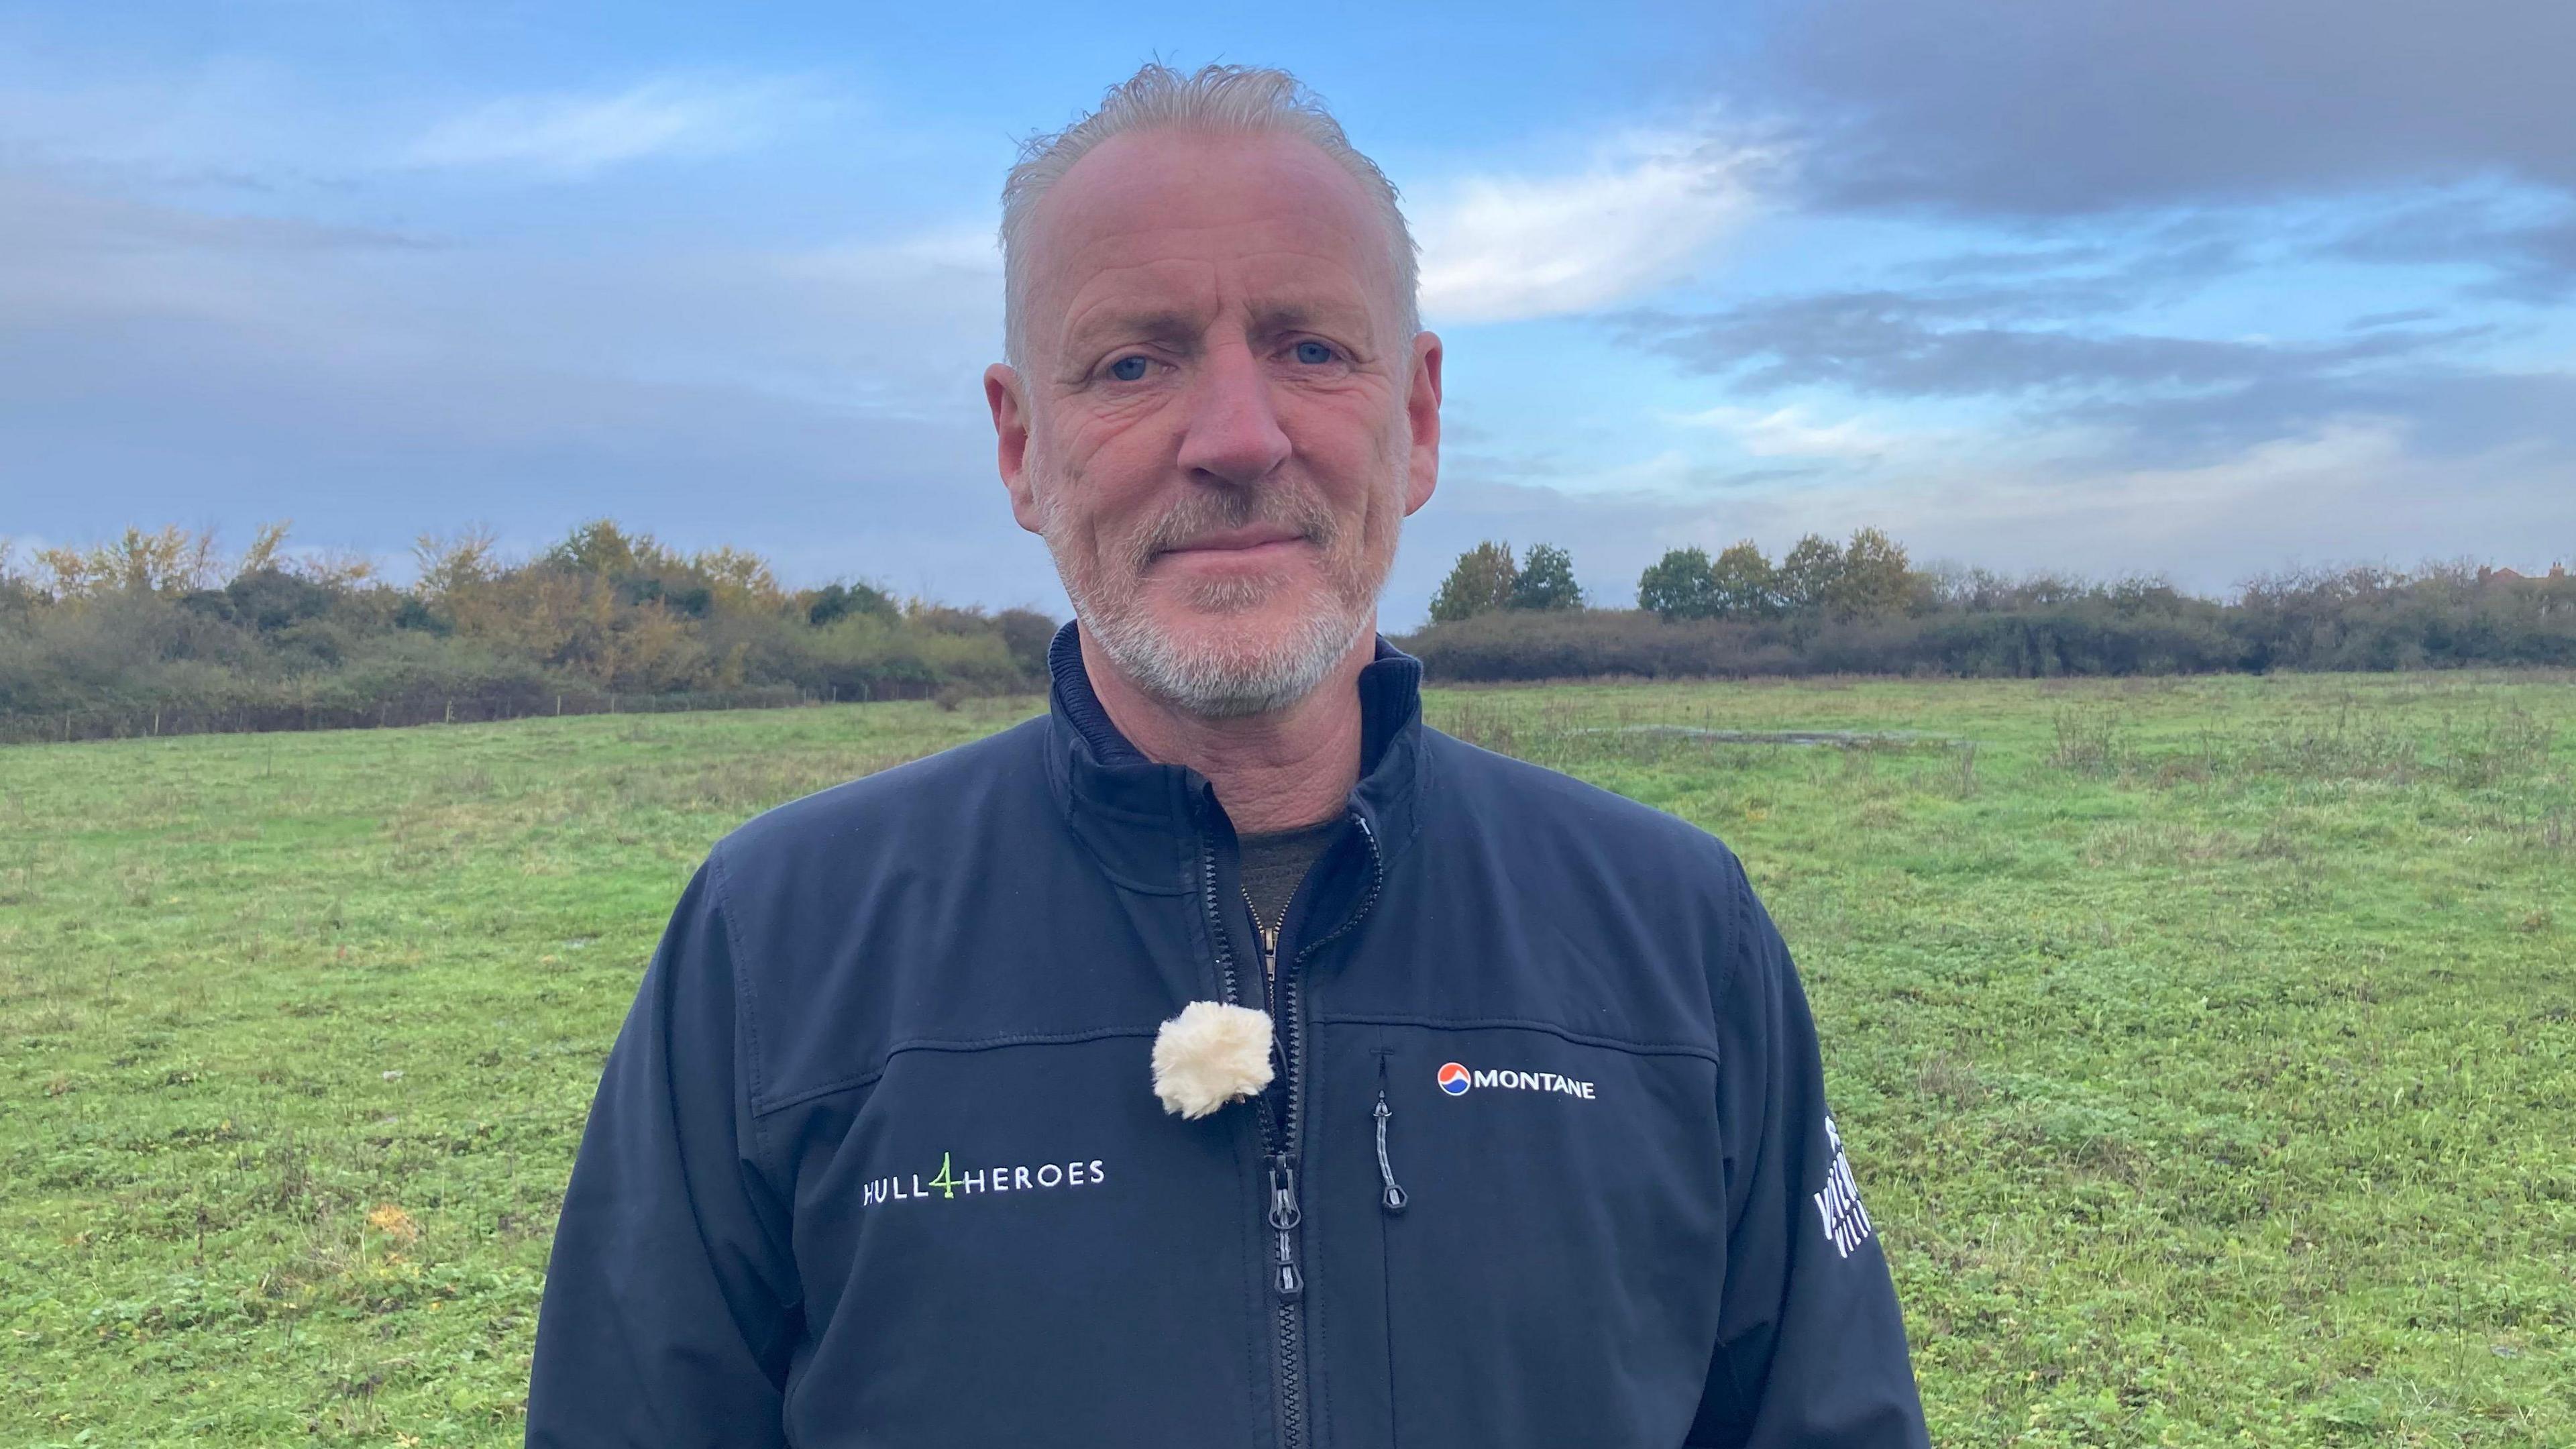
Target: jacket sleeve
[(670, 1305), (1810, 1348)]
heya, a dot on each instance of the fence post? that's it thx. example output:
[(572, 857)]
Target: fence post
[(451, 710), (559, 706)]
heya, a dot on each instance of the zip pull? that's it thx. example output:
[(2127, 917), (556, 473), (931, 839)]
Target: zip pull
[(1393, 1198), (1267, 935), (1284, 1218)]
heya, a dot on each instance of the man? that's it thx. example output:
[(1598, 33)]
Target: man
[(1223, 1058)]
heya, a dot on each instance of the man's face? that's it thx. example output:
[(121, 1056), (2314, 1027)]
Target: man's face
[(1222, 425)]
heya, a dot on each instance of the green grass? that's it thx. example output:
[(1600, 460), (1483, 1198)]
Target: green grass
[(2207, 1049)]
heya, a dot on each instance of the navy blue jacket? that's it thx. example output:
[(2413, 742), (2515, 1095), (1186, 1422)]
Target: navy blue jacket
[(877, 1160)]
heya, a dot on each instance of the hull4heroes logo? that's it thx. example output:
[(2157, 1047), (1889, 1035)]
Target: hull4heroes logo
[(1456, 1079), (1845, 1221), (950, 1183)]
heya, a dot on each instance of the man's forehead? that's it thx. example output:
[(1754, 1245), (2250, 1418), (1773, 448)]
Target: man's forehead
[(1180, 222), (1187, 294)]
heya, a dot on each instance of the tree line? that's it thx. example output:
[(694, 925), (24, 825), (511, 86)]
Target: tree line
[(162, 631), (1860, 605)]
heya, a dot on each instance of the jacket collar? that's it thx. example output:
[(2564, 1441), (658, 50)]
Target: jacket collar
[(1143, 819)]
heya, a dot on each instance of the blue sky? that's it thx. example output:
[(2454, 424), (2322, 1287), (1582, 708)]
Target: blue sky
[(2140, 286)]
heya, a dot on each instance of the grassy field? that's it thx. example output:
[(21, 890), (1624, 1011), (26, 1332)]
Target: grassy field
[(2207, 1049)]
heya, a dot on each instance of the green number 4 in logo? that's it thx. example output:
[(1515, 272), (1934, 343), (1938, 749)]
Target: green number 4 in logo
[(946, 1184)]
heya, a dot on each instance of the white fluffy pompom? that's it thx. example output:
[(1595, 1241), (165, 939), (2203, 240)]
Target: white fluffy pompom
[(1209, 1055)]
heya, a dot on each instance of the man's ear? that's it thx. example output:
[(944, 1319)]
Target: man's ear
[(1422, 410), (1007, 395)]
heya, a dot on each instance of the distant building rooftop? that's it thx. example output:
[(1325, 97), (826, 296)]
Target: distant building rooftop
[(2517, 576)]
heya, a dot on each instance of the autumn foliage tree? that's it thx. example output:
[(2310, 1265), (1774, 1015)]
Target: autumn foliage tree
[(1479, 581), (1485, 579), (1745, 583), (1873, 578)]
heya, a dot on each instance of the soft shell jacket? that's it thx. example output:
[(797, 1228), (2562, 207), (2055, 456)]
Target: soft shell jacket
[(877, 1159)]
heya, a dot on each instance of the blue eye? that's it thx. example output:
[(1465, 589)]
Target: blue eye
[(1314, 353), (1128, 369)]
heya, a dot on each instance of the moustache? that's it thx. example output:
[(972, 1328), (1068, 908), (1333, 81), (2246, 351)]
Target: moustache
[(1203, 513)]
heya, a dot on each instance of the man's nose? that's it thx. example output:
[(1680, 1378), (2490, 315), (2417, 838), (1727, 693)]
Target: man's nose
[(1232, 433)]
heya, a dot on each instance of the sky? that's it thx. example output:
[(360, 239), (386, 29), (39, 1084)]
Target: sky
[(2174, 287)]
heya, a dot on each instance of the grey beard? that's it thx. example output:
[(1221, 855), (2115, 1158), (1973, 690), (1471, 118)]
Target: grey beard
[(1208, 684), (1212, 687)]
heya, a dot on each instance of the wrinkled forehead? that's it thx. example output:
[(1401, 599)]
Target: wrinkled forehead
[(1182, 227)]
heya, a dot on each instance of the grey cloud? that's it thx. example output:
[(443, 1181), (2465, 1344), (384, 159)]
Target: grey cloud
[(1976, 345), (1744, 480), (2125, 155), (2148, 262), (50, 216), (2044, 351), (2397, 318), (2047, 110), (2528, 257), (2010, 263), (2445, 414)]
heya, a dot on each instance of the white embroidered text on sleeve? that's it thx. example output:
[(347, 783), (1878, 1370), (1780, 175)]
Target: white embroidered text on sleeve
[(1846, 1222)]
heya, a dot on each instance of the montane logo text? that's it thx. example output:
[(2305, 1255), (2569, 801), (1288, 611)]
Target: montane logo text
[(1456, 1078)]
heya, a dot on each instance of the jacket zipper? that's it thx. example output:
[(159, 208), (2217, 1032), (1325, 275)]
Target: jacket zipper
[(1390, 1197), (1287, 1285), (1268, 936), (1279, 1139), (1284, 1214), (1391, 1203)]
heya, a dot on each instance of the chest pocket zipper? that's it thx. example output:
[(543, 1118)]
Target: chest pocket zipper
[(1390, 1197)]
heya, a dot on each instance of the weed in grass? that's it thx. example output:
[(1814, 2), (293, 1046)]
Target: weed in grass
[(2557, 830), (2508, 744), (2090, 739), (1950, 1079), (18, 882)]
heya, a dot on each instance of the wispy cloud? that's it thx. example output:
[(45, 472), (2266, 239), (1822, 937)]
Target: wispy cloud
[(1503, 248), (1935, 345), (1796, 432), (574, 135)]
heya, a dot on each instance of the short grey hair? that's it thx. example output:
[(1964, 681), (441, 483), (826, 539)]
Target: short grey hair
[(1233, 100)]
